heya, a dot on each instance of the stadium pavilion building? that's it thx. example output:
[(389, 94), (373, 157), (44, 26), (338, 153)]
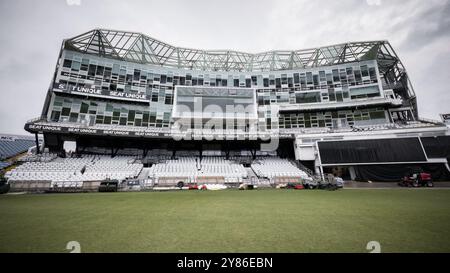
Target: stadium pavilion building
[(349, 107)]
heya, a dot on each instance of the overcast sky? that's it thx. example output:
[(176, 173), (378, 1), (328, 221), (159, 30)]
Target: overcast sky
[(32, 32)]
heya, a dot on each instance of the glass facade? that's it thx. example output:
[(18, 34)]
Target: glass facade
[(333, 119), (328, 84), (70, 109)]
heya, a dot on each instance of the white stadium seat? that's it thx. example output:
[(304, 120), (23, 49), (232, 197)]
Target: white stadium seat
[(76, 170), (271, 167)]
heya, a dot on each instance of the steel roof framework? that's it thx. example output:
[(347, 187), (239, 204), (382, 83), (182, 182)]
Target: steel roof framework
[(140, 48)]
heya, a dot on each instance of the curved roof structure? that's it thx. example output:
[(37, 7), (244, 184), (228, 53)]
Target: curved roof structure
[(140, 48)]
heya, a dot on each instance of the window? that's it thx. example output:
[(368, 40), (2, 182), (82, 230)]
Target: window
[(296, 78), (73, 117), (67, 63), (364, 71), (277, 82), (131, 115), (358, 76), (76, 66), (283, 79), (65, 112), (55, 115), (372, 73), (322, 76), (316, 80), (336, 75), (309, 97), (163, 78), (84, 108), (152, 117), (247, 83), (100, 70), (168, 99), (309, 78), (363, 92), (155, 97), (91, 70), (377, 115), (107, 120), (84, 67)]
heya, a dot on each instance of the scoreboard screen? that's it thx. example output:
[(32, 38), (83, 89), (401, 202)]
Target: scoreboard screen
[(214, 102)]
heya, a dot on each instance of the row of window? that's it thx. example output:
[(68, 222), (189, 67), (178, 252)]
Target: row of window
[(269, 96), (84, 70), (347, 75), (99, 112), (332, 119)]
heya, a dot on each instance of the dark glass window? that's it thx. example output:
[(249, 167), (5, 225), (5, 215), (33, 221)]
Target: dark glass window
[(107, 75), (99, 70), (55, 115), (107, 120), (73, 117), (372, 73), (358, 75), (283, 79), (309, 78), (277, 82), (322, 76), (296, 78), (67, 63), (364, 71), (316, 80), (335, 75), (163, 78), (65, 112), (91, 70), (131, 115), (152, 117), (168, 99), (136, 75), (307, 97), (84, 108)]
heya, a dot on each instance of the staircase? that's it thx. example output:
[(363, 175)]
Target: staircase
[(143, 174), (251, 175)]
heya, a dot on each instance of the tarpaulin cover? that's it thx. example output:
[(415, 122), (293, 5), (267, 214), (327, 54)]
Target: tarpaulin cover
[(437, 147), (394, 172), (371, 151)]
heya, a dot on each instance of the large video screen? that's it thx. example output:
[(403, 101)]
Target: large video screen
[(214, 102)]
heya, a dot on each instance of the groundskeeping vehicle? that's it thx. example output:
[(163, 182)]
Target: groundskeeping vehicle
[(416, 177), (108, 186), (4, 186)]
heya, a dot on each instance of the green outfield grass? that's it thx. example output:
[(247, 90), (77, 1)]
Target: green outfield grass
[(402, 220)]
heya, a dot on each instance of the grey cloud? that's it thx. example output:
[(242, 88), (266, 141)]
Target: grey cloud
[(429, 24)]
